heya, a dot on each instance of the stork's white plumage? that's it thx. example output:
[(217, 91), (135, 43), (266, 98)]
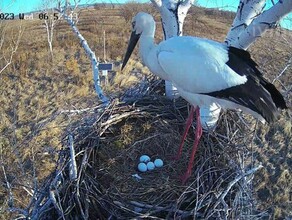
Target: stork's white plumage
[(205, 72)]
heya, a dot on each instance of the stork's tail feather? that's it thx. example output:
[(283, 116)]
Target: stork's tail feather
[(265, 106), (257, 93), (276, 95), (262, 99)]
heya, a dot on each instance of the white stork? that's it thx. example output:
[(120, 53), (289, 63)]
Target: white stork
[(205, 72)]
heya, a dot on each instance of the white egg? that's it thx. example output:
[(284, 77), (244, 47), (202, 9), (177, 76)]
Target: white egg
[(158, 163), (144, 158), (142, 167), (150, 166)]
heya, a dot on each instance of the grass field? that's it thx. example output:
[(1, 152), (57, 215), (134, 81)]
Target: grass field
[(35, 88)]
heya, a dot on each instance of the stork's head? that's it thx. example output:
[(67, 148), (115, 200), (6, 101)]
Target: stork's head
[(142, 23)]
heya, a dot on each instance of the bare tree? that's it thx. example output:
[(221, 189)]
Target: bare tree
[(50, 18), (66, 10), (130, 9), (8, 45)]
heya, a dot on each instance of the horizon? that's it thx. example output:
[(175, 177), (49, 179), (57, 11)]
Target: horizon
[(21, 6)]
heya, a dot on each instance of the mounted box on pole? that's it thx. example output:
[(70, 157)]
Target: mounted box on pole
[(104, 68)]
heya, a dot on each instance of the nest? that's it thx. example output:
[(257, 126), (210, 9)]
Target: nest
[(95, 175)]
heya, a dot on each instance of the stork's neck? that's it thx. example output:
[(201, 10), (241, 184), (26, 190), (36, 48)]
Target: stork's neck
[(146, 43)]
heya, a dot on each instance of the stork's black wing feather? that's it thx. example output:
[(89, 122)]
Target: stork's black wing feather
[(257, 93), (249, 68)]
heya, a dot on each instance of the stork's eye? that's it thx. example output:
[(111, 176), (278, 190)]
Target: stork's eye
[(133, 24)]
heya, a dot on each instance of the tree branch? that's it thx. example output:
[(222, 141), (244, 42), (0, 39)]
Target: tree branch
[(268, 19), (247, 10), (284, 69)]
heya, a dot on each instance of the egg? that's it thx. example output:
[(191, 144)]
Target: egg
[(150, 166), (142, 167), (158, 162), (144, 158)]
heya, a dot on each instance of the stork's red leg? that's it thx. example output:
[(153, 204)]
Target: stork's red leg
[(188, 125), (198, 135)]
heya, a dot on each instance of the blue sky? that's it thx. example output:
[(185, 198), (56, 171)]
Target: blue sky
[(22, 6)]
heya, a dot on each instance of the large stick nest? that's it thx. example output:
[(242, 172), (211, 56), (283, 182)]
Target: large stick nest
[(108, 144)]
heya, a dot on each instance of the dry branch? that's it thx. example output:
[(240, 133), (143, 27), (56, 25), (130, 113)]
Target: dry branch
[(72, 166)]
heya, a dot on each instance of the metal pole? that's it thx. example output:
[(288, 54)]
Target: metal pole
[(104, 55)]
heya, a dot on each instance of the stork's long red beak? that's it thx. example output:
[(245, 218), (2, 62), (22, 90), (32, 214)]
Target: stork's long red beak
[(132, 43)]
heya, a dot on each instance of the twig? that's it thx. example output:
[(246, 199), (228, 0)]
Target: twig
[(37, 212), (80, 111), (160, 208), (283, 71), (55, 203), (144, 140), (8, 185), (84, 214), (231, 184), (72, 165), (117, 119)]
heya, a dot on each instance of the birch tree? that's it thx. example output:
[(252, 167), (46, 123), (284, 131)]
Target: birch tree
[(130, 9), (8, 45), (252, 21), (50, 18), (66, 10)]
